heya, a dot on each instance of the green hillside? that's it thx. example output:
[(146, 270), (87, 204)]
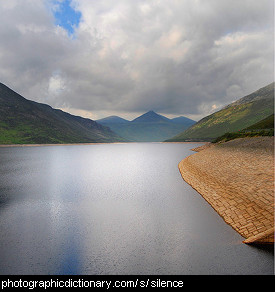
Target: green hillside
[(27, 122), (267, 123), (234, 117)]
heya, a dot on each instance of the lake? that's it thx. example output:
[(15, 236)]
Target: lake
[(113, 209)]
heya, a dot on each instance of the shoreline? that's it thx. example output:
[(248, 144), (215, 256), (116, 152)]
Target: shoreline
[(236, 178), (40, 145), (92, 143)]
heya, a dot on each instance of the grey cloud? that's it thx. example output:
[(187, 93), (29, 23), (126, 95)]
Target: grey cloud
[(176, 57)]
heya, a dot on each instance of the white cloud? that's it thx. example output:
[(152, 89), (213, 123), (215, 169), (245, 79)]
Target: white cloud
[(56, 84)]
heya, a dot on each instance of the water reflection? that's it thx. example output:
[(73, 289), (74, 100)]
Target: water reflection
[(112, 209)]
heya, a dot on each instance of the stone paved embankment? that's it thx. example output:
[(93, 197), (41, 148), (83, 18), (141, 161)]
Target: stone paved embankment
[(237, 179)]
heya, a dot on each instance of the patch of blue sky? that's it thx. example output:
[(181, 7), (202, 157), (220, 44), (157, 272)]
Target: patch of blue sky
[(66, 16)]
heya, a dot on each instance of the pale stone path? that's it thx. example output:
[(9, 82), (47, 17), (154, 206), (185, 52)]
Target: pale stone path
[(237, 179)]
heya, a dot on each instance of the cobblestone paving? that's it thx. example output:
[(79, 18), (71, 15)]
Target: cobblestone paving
[(237, 179)]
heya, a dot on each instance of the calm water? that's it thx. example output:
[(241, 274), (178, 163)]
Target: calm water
[(112, 209)]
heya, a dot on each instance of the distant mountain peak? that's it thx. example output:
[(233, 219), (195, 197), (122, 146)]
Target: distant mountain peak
[(151, 116), (149, 127), (112, 119)]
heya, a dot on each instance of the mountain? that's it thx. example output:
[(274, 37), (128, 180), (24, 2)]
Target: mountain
[(264, 127), (24, 121), (267, 123), (183, 121), (151, 117), (112, 120), (149, 127), (234, 117)]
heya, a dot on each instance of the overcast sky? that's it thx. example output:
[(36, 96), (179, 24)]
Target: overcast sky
[(125, 57)]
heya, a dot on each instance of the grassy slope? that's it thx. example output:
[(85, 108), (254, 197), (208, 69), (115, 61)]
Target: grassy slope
[(263, 128), (267, 123), (234, 117)]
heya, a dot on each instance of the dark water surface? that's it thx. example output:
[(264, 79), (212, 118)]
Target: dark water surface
[(112, 209)]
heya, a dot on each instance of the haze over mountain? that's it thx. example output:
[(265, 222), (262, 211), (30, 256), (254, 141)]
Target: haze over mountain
[(24, 121), (236, 116), (112, 119), (149, 127)]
